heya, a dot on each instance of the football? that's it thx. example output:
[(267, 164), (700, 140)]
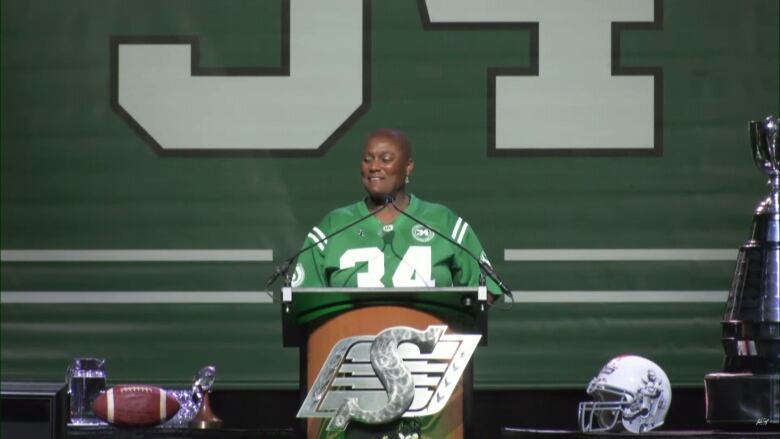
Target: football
[(135, 405)]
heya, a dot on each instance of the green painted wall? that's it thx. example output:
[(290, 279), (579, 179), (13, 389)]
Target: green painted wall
[(76, 176)]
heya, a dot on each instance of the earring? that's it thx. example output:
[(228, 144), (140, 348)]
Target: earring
[(406, 180)]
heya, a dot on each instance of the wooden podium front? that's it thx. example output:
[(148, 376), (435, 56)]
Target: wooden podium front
[(369, 321), (370, 312)]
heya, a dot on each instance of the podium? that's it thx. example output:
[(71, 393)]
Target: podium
[(316, 319)]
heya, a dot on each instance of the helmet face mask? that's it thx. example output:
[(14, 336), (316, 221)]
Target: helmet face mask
[(605, 410), (605, 414), (630, 393)]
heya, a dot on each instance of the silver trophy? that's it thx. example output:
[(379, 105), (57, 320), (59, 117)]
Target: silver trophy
[(201, 388), (203, 382), (746, 392)]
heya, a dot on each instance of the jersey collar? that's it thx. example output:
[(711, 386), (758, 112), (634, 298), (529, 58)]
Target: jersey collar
[(410, 209)]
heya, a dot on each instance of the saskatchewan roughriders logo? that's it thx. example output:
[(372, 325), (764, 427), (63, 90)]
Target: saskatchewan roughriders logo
[(298, 275), (422, 233), (400, 372)]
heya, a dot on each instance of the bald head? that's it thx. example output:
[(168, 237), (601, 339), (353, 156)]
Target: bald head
[(394, 136), (386, 164)]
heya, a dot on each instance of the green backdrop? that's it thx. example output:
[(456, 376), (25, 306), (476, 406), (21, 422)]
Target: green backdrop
[(77, 176)]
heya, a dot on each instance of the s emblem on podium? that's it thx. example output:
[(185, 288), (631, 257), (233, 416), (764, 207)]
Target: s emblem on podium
[(400, 372)]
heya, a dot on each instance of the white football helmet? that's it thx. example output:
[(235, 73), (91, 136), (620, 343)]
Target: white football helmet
[(630, 392)]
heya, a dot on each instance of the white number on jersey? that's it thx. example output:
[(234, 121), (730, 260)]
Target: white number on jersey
[(376, 265), (413, 271)]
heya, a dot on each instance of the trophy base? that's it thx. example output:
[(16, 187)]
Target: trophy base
[(205, 418), (742, 399), (205, 424)]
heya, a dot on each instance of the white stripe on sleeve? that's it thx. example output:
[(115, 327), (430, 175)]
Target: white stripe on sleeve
[(319, 232), (462, 232), (316, 239), (457, 225)]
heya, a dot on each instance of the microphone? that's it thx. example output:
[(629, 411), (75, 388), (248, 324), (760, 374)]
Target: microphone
[(390, 199), (484, 267), (284, 267)]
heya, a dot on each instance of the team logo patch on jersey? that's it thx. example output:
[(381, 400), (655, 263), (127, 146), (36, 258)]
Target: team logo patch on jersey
[(483, 257), (298, 275), (422, 233), (400, 372)]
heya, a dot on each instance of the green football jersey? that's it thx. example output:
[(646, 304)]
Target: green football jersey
[(401, 254)]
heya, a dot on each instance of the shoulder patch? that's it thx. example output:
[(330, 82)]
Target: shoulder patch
[(299, 275)]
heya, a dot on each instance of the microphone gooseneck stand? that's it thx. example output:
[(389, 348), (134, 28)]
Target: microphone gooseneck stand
[(485, 268), (284, 267)]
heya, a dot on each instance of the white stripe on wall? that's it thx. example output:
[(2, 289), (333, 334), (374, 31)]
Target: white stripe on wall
[(620, 296), (141, 297), (148, 255), (263, 297), (659, 254)]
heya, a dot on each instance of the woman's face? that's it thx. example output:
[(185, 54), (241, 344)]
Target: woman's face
[(385, 166)]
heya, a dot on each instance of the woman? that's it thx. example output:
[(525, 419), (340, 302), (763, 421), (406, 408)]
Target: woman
[(389, 249), (375, 244)]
